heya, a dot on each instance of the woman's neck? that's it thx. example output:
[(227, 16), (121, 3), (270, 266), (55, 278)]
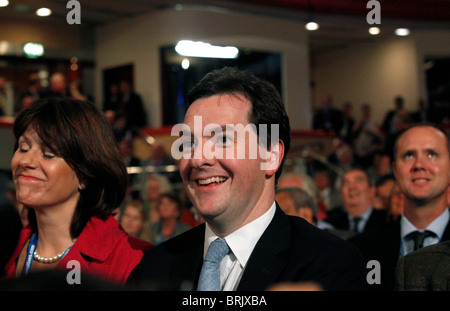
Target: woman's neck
[(53, 229)]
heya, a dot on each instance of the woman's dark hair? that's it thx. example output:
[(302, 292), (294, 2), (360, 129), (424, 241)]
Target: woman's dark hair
[(267, 106), (172, 197), (80, 134)]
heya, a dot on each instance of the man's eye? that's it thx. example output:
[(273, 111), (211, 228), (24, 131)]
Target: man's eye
[(224, 140), (432, 154), (408, 156), (186, 145)]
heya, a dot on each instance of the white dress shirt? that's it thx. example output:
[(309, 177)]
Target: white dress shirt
[(241, 243), (364, 218), (437, 226)]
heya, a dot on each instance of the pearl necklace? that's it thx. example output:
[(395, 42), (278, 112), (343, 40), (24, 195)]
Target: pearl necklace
[(54, 258), (48, 259)]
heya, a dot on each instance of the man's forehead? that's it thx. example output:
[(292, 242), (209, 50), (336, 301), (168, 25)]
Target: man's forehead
[(355, 174), (217, 103), (422, 132), (422, 138)]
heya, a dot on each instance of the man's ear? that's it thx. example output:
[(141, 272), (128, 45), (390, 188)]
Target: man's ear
[(275, 156), (394, 169)]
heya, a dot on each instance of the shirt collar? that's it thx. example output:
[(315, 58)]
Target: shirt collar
[(437, 226), (243, 241), (363, 217)]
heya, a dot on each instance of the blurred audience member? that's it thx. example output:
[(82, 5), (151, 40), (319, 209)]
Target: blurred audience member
[(31, 94), (57, 87), (169, 224), (119, 125), (300, 180), (328, 118), (112, 99), (295, 201), (132, 107), (357, 196), (396, 203), (383, 190), (155, 186), (346, 133), (393, 123), (328, 198), (381, 166), (3, 96), (343, 157), (162, 163), (423, 113), (134, 221), (34, 86), (159, 156), (367, 138)]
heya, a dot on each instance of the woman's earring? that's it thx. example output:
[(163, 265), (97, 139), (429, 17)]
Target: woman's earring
[(82, 186)]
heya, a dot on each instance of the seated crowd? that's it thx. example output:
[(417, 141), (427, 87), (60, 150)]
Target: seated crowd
[(369, 191)]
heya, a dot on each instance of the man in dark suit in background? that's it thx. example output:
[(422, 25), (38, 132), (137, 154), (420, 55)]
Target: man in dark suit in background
[(429, 268), (328, 118), (235, 195), (132, 107), (357, 195), (422, 170)]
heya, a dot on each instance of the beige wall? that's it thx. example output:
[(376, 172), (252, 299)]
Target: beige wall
[(371, 73), (138, 41), (378, 71)]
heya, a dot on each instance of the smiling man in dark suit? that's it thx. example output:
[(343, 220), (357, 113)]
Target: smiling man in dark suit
[(233, 188), (357, 195)]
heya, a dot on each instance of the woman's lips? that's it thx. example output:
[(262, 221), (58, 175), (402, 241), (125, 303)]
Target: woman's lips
[(28, 178)]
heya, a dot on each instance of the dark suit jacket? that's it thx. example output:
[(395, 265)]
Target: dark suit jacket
[(339, 219), (424, 270), (134, 111), (289, 250), (384, 245)]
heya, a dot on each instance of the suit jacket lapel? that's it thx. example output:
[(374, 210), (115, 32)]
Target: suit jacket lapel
[(267, 261)]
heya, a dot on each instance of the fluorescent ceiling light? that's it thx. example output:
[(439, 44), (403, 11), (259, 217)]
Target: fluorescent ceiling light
[(202, 49), (312, 26), (43, 12), (402, 32)]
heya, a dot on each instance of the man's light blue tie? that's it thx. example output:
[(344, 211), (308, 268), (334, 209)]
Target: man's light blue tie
[(210, 275)]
